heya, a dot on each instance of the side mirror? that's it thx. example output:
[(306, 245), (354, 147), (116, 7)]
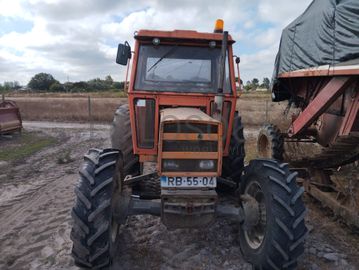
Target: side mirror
[(123, 53), (238, 60)]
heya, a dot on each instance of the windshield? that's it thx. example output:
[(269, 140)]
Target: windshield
[(180, 69)]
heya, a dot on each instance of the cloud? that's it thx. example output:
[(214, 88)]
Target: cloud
[(79, 38), (281, 12)]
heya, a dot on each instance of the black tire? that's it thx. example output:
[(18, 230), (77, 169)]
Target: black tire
[(150, 188), (121, 138), (92, 212), (270, 143), (233, 164), (282, 223)]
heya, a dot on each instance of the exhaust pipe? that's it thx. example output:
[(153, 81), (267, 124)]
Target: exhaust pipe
[(218, 99)]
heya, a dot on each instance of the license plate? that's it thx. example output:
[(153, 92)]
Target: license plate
[(188, 181)]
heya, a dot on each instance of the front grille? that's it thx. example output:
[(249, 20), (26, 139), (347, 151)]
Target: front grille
[(190, 127), (190, 146), (185, 144)]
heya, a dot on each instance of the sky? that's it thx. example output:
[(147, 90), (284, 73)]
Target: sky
[(77, 39)]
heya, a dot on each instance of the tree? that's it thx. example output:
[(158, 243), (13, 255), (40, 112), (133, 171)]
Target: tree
[(118, 85), (57, 87), (42, 81), (255, 82), (10, 85), (97, 84), (109, 80), (266, 83), (80, 86), (248, 86)]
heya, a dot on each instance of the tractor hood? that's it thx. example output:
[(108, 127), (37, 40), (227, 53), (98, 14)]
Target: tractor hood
[(186, 115)]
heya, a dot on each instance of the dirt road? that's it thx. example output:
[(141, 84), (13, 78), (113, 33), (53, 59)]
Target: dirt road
[(36, 196)]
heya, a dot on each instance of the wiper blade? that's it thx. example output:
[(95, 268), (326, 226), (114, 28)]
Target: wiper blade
[(162, 57)]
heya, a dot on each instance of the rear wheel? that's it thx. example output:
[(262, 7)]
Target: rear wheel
[(233, 164), (273, 232), (95, 230), (121, 138), (270, 143)]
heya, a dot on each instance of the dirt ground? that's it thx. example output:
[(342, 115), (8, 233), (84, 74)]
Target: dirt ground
[(36, 196)]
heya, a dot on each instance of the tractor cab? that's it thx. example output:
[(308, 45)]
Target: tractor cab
[(179, 69)]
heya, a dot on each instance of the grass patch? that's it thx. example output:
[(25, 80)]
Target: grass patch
[(25, 145), (266, 95)]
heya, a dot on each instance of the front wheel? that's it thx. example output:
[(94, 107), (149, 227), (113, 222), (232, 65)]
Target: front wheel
[(273, 232), (95, 230)]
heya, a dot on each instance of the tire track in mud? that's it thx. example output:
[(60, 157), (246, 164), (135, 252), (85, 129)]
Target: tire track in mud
[(44, 222), (35, 222), (147, 244)]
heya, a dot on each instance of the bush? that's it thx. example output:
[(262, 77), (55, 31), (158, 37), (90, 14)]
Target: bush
[(118, 85), (57, 87)]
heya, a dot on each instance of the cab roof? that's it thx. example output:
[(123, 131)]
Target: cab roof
[(183, 35)]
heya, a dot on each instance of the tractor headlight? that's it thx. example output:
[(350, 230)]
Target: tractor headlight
[(170, 165), (206, 164)]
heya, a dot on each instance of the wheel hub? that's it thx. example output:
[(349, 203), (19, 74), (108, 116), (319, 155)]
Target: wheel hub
[(255, 215)]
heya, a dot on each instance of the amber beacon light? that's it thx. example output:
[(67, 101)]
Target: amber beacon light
[(218, 27)]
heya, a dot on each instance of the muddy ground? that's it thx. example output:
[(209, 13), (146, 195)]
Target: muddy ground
[(36, 195)]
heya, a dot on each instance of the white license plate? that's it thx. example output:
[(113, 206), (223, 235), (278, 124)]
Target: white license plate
[(188, 181)]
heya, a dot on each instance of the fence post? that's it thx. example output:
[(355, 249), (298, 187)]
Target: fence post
[(267, 111), (90, 115), (3, 97)]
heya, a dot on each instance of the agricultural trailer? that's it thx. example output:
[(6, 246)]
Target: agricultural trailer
[(320, 79)]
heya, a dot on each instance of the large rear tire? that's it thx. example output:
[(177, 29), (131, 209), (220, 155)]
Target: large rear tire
[(94, 232), (272, 236), (233, 164), (121, 139)]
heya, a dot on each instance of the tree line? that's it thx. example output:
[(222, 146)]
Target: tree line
[(46, 82), (254, 84)]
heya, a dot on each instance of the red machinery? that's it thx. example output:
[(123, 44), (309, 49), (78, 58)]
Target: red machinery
[(317, 71), (10, 118)]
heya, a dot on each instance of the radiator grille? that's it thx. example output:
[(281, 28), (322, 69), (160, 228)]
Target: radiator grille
[(187, 146)]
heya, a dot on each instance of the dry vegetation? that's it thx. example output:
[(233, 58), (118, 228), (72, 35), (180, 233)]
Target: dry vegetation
[(102, 94), (68, 109), (255, 108)]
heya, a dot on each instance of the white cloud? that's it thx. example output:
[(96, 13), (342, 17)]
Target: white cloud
[(10, 8), (79, 38), (281, 12)]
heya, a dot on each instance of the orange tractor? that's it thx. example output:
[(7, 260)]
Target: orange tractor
[(181, 115)]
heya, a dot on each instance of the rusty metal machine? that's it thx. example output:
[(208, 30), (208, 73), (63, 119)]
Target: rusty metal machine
[(321, 79), (178, 143), (10, 118)]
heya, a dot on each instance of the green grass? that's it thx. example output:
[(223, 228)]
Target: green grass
[(25, 145)]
